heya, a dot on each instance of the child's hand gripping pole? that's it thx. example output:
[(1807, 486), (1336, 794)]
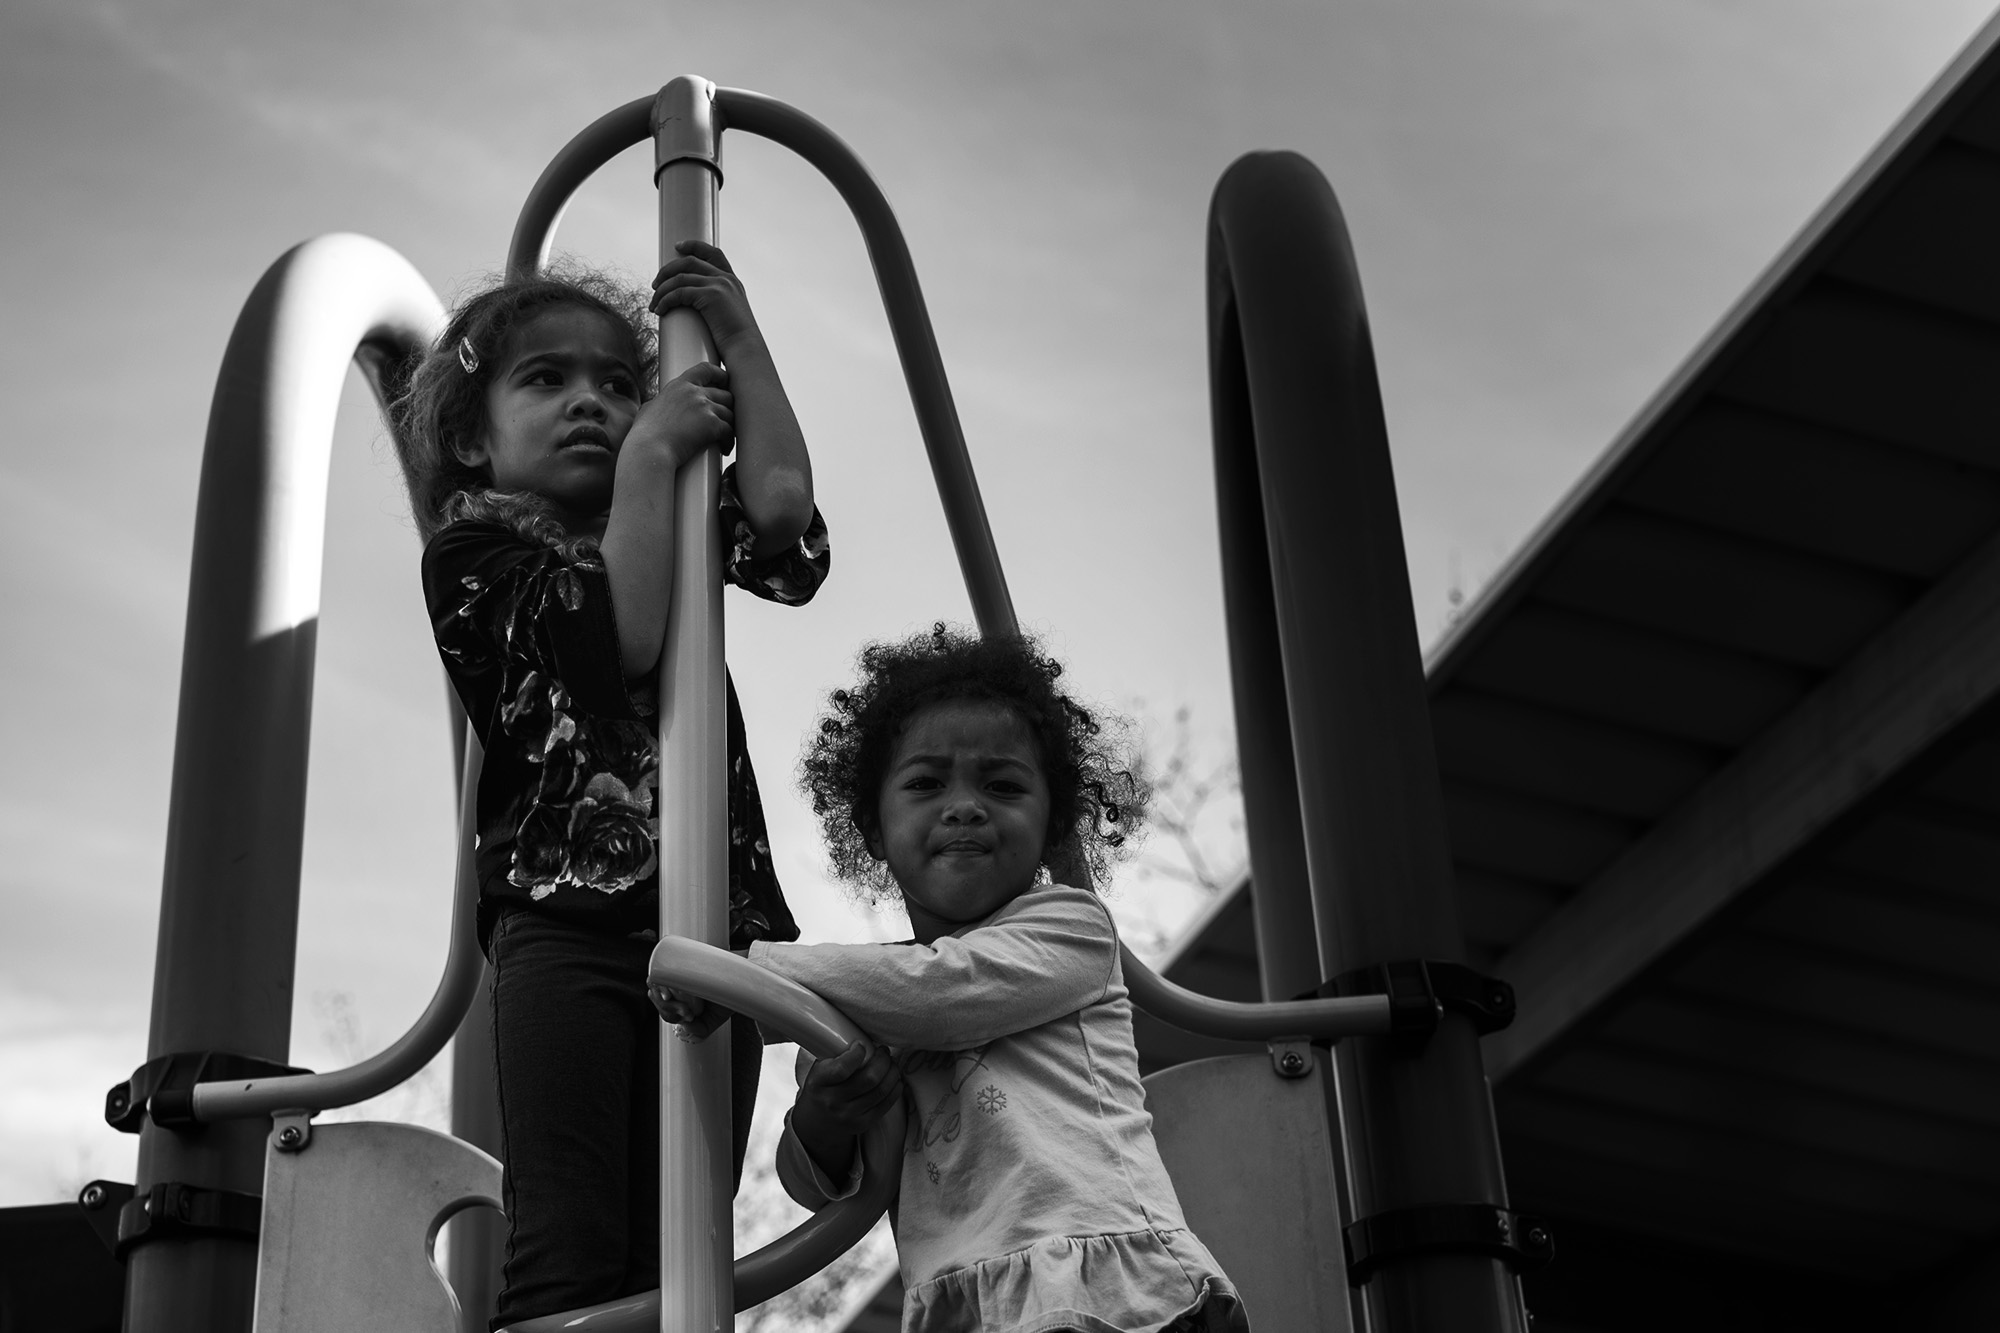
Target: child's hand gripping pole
[(683, 969), (694, 803)]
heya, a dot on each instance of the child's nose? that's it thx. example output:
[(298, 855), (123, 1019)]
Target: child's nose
[(587, 403), (964, 808)]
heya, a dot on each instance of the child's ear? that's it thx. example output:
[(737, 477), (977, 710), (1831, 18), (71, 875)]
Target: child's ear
[(476, 454), (871, 838)]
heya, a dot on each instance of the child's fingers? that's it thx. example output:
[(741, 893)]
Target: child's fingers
[(871, 1093), (703, 250), (689, 261), (693, 275), (704, 1024), (840, 1068), (695, 288), (881, 1065), (703, 375), (674, 1006), (692, 266)]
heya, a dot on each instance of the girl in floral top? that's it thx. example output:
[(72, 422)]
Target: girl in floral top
[(541, 468)]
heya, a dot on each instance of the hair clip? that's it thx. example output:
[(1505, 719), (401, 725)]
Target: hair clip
[(467, 357)]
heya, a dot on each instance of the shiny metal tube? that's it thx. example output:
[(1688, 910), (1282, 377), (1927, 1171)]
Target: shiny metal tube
[(916, 343), (228, 926), (1312, 508), (1191, 1011), (414, 1049), (785, 1006), (600, 141), (695, 1185)]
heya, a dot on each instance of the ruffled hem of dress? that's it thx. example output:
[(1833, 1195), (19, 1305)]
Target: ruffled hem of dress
[(1131, 1282)]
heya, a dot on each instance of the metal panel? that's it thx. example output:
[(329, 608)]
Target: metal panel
[(1266, 1204), (349, 1222)]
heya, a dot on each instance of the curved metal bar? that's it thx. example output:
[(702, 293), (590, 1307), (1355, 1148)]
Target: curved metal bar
[(1309, 512), (916, 343), (735, 983), (895, 274), (785, 1006), (228, 921), (600, 141), (348, 296), (426, 1037), (1191, 1011)]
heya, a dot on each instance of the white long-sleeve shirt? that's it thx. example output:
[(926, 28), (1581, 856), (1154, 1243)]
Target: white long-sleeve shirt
[(1031, 1187)]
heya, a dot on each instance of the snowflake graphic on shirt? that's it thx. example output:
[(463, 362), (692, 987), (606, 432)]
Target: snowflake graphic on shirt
[(991, 1100)]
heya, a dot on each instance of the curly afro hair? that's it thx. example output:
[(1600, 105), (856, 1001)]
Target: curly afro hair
[(1096, 796)]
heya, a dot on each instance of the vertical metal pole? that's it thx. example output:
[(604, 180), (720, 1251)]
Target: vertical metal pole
[(696, 1232), (478, 1235), (1285, 302)]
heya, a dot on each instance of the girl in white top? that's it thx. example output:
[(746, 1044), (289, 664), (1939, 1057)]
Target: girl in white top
[(1033, 1199)]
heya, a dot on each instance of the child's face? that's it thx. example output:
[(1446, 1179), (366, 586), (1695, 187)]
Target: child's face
[(964, 813), (558, 408)]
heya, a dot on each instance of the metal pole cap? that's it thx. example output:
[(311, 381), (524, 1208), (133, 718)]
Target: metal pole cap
[(684, 128)]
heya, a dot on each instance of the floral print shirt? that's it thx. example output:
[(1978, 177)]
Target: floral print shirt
[(568, 809)]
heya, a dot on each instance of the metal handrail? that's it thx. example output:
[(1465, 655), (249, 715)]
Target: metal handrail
[(1206, 1016), (416, 1048), (895, 275), (721, 977)]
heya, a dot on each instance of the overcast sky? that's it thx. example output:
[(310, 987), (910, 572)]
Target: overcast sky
[(1551, 201)]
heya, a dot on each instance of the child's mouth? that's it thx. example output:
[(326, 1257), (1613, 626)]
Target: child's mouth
[(587, 435)]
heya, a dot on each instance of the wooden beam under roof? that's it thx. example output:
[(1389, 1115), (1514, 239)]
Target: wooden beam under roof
[(1929, 672)]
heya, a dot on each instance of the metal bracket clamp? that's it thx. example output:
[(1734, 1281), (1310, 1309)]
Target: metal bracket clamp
[(173, 1209), (1420, 990), (1446, 1228), (101, 1201), (164, 1087)]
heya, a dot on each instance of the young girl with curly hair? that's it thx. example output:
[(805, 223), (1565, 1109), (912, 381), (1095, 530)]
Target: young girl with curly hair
[(541, 466), (955, 774)]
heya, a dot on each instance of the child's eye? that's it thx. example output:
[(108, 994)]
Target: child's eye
[(622, 385), (922, 783)]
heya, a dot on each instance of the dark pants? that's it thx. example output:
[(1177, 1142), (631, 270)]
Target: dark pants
[(576, 1052)]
